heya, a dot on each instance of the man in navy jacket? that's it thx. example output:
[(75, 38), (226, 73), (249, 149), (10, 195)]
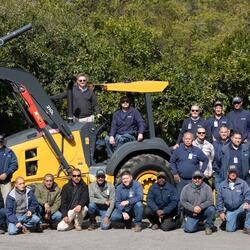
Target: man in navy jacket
[(128, 201), (233, 201), (162, 204), (185, 160)]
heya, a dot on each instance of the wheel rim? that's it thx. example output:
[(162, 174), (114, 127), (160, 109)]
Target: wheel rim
[(146, 178)]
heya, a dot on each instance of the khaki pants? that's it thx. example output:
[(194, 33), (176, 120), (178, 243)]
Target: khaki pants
[(87, 119), (74, 219), (5, 189)]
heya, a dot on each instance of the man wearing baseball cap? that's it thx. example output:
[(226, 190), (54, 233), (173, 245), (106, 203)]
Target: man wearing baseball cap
[(197, 200), (239, 119), (162, 203), (102, 200), (234, 196), (214, 123)]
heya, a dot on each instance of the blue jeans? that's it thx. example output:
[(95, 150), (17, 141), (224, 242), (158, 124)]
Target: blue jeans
[(191, 223), (2, 218), (55, 217), (218, 180), (25, 220), (136, 212), (94, 209), (119, 140), (232, 219)]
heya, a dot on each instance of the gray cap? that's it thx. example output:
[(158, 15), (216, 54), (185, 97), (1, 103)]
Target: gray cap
[(237, 99), (100, 172), (161, 174), (197, 173)]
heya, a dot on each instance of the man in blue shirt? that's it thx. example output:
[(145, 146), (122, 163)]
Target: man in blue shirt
[(162, 204), (127, 125), (185, 160), (128, 201), (239, 119), (214, 123), (233, 201)]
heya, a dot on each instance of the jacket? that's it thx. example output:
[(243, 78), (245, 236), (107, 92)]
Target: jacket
[(190, 125), (98, 196), (130, 122), (164, 198), (133, 194), (184, 161), (222, 165), (52, 196), (73, 195), (232, 199), (8, 164), (31, 202), (192, 196)]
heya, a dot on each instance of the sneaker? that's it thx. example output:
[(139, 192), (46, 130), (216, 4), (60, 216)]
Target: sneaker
[(155, 227), (78, 227), (246, 230), (137, 228), (91, 227), (208, 231)]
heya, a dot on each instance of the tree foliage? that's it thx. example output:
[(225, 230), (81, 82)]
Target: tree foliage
[(200, 47)]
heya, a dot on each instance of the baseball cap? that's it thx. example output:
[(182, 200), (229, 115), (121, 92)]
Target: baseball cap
[(237, 99), (100, 172), (197, 173), (161, 174), (232, 168), (218, 103)]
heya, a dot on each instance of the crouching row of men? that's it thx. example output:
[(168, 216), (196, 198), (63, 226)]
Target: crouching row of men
[(67, 209)]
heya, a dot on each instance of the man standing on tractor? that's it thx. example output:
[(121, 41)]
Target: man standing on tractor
[(127, 125)]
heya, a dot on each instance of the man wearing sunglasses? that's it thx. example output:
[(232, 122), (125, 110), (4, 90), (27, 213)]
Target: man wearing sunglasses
[(84, 100), (48, 195), (127, 125), (75, 198), (207, 148), (197, 200), (190, 124), (101, 201), (239, 119)]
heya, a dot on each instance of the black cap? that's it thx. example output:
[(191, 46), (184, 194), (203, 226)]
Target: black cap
[(218, 103), (161, 174), (237, 99), (100, 172), (197, 173), (232, 168)]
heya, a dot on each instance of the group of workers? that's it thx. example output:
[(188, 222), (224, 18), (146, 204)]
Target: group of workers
[(215, 148)]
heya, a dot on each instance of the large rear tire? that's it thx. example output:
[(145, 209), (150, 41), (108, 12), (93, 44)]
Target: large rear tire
[(144, 169)]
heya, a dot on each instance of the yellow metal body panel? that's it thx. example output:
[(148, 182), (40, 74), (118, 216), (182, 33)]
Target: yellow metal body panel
[(139, 86), (44, 160)]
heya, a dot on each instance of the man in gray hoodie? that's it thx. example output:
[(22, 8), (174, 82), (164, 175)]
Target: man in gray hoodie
[(197, 200), (102, 200)]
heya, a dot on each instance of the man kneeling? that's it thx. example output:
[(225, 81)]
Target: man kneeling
[(197, 200), (21, 205), (162, 204), (75, 197), (128, 201)]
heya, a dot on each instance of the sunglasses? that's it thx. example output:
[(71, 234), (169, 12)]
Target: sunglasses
[(237, 103), (201, 133), (76, 175), (125, 101), (81, 80), (195, 110)]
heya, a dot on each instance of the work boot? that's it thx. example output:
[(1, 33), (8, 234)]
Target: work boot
[(91, 227), (208, 231), (155, 227), (137, 228), (39, 228), (78, 227), (246, 230), (2, 231), (25, 230)]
